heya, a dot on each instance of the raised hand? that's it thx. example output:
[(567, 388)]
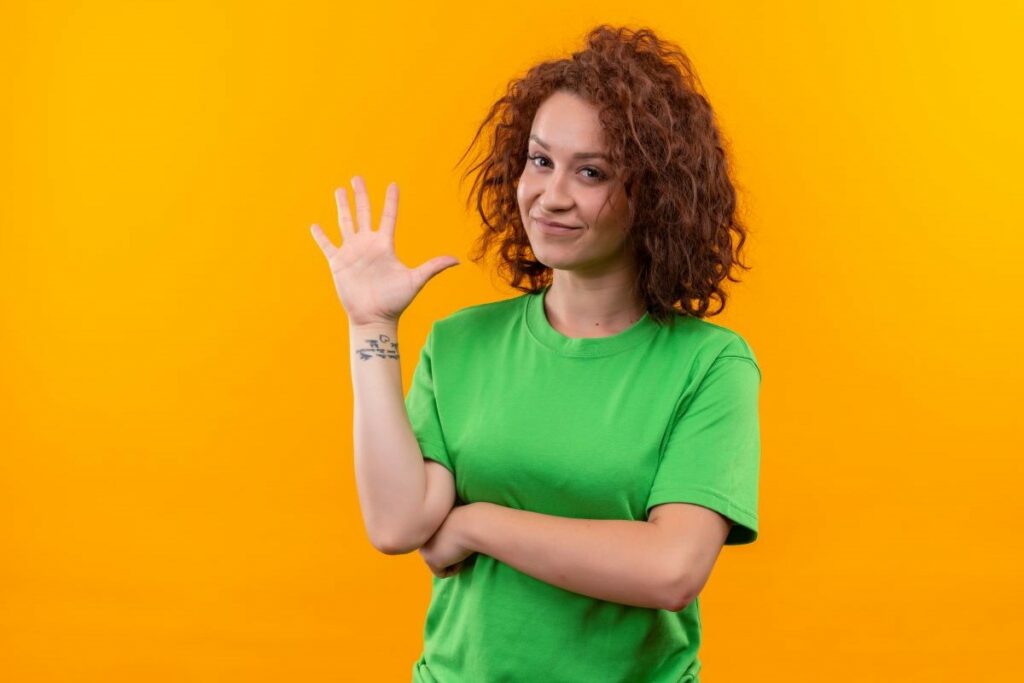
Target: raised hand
[(372, 284)]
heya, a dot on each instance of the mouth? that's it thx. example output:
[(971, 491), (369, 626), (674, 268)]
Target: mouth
[(554, 228)]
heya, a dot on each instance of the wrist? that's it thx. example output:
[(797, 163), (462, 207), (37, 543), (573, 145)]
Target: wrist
[(469, 525), (373, 327)]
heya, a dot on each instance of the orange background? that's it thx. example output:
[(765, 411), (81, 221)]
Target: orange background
[(177, 487)]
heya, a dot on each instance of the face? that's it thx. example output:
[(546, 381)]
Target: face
[(560, 184)]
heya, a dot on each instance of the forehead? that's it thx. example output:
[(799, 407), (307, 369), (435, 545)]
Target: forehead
[(567, 122)]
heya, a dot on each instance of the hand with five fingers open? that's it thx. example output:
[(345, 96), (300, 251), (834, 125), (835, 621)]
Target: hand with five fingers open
[(372, 284)]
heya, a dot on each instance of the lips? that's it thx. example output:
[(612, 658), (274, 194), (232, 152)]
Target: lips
[(555, 224)]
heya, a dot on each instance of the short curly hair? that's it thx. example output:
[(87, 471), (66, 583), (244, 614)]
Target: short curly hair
[(663, 139)]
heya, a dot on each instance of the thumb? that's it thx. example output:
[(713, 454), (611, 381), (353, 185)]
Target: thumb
[(429, 269)]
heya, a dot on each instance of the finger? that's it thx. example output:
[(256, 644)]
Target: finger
[(344, 215), (429, 269), (390, 214), (326, 246), (362, 204)]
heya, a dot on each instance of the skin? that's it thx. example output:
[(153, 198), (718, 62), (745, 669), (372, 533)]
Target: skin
[(592, 292)]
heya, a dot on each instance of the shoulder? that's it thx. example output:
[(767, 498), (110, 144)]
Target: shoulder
[(709, 343), (472, 321)]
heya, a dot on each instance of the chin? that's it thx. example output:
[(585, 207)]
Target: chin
[(555, 262), (542, 256)]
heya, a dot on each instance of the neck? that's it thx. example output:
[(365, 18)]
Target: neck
[(595, 307)]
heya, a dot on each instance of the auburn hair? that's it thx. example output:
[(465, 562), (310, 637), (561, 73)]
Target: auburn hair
[(663, 140)]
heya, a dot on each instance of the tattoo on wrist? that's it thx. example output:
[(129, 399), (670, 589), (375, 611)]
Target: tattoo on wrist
[(381, 347)]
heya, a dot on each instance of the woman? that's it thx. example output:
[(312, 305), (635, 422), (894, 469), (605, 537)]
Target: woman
[(600, 437)]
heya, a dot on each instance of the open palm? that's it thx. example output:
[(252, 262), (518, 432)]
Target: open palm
[(372, 284)]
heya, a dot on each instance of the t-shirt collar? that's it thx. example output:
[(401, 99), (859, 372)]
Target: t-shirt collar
[(541, 330)]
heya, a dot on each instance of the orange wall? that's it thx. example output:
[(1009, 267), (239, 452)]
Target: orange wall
[(176, 480)]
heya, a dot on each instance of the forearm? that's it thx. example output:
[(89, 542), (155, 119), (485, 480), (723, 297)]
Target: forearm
[(390, 473), (621, 561)]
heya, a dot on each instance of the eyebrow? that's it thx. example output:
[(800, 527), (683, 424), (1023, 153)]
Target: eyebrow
[(578, 155)]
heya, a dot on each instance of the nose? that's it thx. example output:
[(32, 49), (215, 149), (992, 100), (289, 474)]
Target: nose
[(555, 197)]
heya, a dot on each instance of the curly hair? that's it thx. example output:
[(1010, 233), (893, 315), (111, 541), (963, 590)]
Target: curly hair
[(662, 137)]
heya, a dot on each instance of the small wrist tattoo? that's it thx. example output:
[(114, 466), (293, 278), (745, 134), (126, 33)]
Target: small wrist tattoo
[(381, 347)]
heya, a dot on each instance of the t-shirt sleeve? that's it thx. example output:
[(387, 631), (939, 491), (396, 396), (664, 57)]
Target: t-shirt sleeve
[(712, 454), (421, 407)]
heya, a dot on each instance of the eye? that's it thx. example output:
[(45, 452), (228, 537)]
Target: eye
[(536, 156), (598, 174)]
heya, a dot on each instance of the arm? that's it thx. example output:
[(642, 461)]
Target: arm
[(629, 562), (402, 499), (374, 288)]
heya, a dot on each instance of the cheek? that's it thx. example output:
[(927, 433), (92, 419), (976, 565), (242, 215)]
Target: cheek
[(611, 215), (618, 209), (523, 186), (524, 194)]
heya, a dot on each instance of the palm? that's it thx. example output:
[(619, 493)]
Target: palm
[(369, 277), (372, 284)]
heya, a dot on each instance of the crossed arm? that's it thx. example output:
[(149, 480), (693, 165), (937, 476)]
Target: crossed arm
[(662, 563)]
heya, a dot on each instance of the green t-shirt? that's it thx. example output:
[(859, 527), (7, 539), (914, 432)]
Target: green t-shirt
[(589, 428)]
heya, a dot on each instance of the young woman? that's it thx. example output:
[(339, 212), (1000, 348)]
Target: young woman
[(570, 461)]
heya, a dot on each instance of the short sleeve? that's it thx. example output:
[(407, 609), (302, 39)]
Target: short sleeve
[(712, 453), (421, 407)]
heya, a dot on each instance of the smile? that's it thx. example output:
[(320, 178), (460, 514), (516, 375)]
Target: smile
[(549, 229)]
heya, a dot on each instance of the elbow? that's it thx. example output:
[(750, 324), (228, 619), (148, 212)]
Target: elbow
[(679, 604), (679, 594), (393, 544), (389, 537), (387, 548)]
